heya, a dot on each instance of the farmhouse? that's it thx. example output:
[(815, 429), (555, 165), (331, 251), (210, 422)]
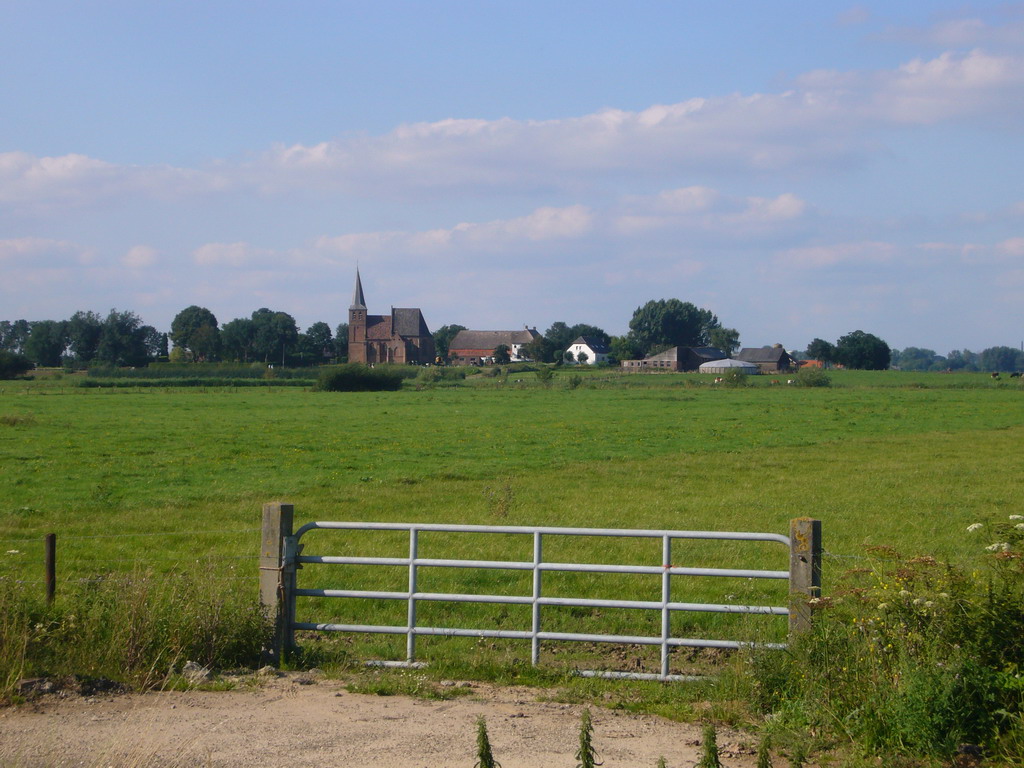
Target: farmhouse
[(773, 359), (477, 347), (401, 337), (675, 359), (595, 349)]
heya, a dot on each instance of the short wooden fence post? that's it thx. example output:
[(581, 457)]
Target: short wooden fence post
[(51, 566), (804, 572), (276, 579)]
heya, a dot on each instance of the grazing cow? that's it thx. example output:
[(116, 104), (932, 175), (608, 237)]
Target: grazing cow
[(1015, 375), (995, 375), (775, 381), (719, 380), (791, 381)]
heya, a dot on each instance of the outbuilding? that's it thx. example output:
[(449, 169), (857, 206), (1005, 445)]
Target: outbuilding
[(724, 366)]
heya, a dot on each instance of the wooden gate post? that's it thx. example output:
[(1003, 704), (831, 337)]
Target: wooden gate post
[(50, 548), (275, 586), (804, 572)]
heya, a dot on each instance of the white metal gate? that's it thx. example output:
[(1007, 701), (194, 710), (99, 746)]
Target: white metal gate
[(803, 576)]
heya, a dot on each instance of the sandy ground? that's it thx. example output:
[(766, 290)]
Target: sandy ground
[(292, 721)]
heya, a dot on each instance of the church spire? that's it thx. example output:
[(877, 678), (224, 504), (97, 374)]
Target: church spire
[(358, 302)]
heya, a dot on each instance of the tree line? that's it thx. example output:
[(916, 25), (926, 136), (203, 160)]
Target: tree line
[(272, 337)]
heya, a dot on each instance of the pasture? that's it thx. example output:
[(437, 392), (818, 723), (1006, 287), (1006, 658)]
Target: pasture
[(165, 481)]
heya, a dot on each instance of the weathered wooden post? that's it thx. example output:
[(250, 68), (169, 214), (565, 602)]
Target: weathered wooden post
[(50, 545), (276, 579), (804, 572)]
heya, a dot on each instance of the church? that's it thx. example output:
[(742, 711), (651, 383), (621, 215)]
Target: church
[(401, 337)]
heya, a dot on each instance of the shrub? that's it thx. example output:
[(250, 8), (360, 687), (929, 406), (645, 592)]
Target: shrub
[(734, 377), (356, 377), (923, 657), (709, 749), (810, 376), (13, 365)]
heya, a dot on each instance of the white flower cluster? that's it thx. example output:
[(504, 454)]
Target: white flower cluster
[(973, 527)]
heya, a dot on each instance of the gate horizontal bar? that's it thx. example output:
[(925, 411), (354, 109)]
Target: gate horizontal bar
[(575, 602), (509, 565)]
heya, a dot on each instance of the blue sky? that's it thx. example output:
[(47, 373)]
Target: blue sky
[(801, 169)]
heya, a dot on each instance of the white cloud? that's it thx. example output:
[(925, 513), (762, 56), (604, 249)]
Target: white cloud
[(230, 255), (822, 256), (139, 257), (43, 252)]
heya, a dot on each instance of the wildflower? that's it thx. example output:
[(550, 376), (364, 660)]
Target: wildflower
[(999, 546), (973, 527), (928, 603), (13, 551), (882, 606), (1019, 526), (1017, 517), (944, 595), (918, 601), (904, 593)]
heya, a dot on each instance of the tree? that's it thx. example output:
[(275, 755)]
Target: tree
[(624, 348), (917, 359), (443, 339), (13, 365), (502, 354), (821, 350), (46, 342), (726, 339), (962, 360), (1001, 359), (123, 340), (582, 357), (14, 336), (559, 335), (590, 331), (863, 351), (321, 341), (341, 342), (194, 329), (236, 339), (276, 333), (84, 332), (568, 357), (539, 350), (661, 324)]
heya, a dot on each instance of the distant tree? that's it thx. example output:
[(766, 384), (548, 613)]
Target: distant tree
[(236, 339), (123, 340), (725, 339), (276, 333), (1002, 359), (194, 330), (13, 365), (624, 348), (321, 340), (443, 338), (582, 357), (341, 342), (917, 359), (502, 354), (46, 342), (568, 356), (84, 332), (559, 335), (661, 324), (863, 350), (539, 350), (965, 360), (821, 350), (590, 331), (14, 336)]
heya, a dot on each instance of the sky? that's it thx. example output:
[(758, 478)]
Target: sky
[(801, 169)]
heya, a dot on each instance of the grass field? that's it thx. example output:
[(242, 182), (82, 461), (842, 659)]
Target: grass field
[(167, 480)]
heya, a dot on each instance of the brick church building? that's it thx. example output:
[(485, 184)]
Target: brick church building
[(401, 337)]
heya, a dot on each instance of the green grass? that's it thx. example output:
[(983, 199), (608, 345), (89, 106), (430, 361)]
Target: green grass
[(168, 481)]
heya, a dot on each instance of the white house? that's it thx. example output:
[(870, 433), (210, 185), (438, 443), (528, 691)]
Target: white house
[(596, 351)]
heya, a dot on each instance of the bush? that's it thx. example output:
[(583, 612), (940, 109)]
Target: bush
[(920, 658), (13, 365), (811, 376), (356, 377), (734, 377)]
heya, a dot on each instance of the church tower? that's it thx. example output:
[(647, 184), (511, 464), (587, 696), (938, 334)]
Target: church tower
[(357, 324)]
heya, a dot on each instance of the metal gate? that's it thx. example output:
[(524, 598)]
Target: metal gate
[(803, 575)]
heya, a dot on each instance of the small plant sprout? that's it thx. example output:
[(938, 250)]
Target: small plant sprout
[(764, 752), (709, 749), (485, 758), (587, 755), (798, 757), (661, 762)]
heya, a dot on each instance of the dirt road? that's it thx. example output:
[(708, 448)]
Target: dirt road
[(294, 722)]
